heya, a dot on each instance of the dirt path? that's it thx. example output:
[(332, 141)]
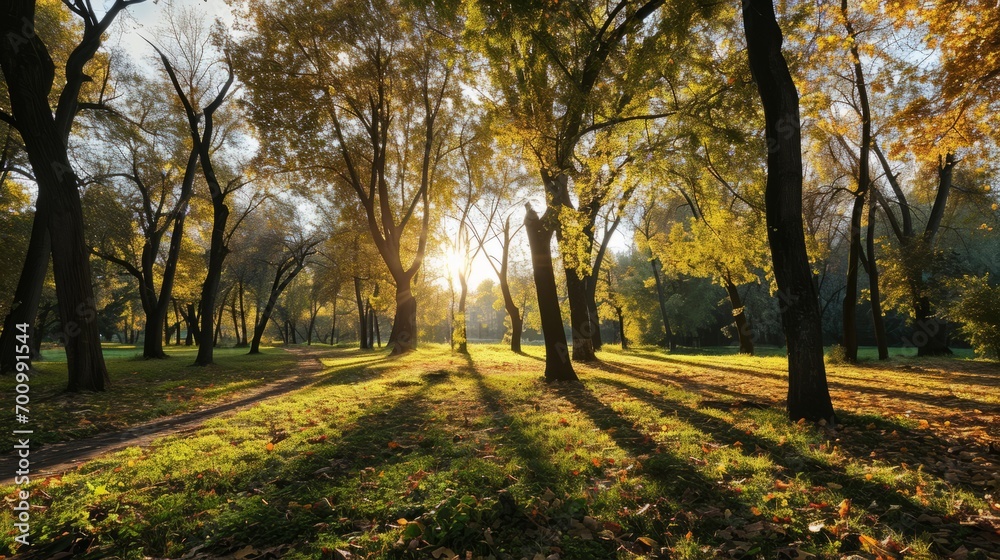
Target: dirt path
[(60, 457)]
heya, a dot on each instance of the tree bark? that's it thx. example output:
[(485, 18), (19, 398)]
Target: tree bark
[(930, 332), (878, 320), (459, 329), (557, 364), (152, 345), (28, 292), (403, 336), (233, 315), (29, 73), (621, 328), (861, 193), (210, 288), (201, 137), (579, 315), (363, 341), (595, 318), (516, 323), (191, 319), (661, 298), (739, 315), (808, 393), (243, 317), (849, 310)]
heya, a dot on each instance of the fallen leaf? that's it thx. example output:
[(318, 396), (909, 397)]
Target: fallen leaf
[(845, 508), (648, 542)]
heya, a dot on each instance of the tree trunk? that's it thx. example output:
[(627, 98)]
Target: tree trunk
[(808, 393), (595, 319), (210, 289), (930, 333), (28, 292), (621, 328), (378, 330), (191, 319), (152, 344), (516, 323), (740, 316), (876, 299), (557, 364), (177, 316), (459, 329), (312, 322), (860, 194), (41, 327), (333, 327), (363, 341), (166, 329), (233, 315), (243, 318), (403, 336), (218, 320), (661, 297), (579, 312), (850, 322), (29, 74)]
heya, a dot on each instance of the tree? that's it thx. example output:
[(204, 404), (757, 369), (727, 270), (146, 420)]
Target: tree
[(567, 75), (290, 258), (381, 125), (646, 220), (157, 169), (610, 297), (861, 195), (808, 393), (29, 73), (501, 267), (557, 363), (203, 137)]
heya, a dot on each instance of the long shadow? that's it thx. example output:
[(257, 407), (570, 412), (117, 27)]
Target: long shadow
[(679, 381), (260, 495), (623, 432), (833, 382), (818, 472), (356, 371), (526, 447)]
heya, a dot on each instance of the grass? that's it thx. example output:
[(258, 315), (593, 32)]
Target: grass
[(652, 455), (141, 390)]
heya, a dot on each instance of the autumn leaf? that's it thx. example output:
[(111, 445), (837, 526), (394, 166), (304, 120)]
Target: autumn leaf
[(845, 508)]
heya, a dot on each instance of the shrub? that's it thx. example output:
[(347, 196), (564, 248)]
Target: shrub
[(977, 308), (837, 354)]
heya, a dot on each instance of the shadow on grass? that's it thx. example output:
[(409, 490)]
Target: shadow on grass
[(901, 513)]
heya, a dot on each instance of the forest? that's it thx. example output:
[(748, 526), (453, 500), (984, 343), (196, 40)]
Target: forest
[(500, 279)]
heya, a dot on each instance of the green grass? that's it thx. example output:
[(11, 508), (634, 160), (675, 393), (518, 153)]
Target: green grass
[(141, 390), (652, 454)]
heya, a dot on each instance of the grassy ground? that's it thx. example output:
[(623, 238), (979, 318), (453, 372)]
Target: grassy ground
[(433, 454), (140, 390)]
